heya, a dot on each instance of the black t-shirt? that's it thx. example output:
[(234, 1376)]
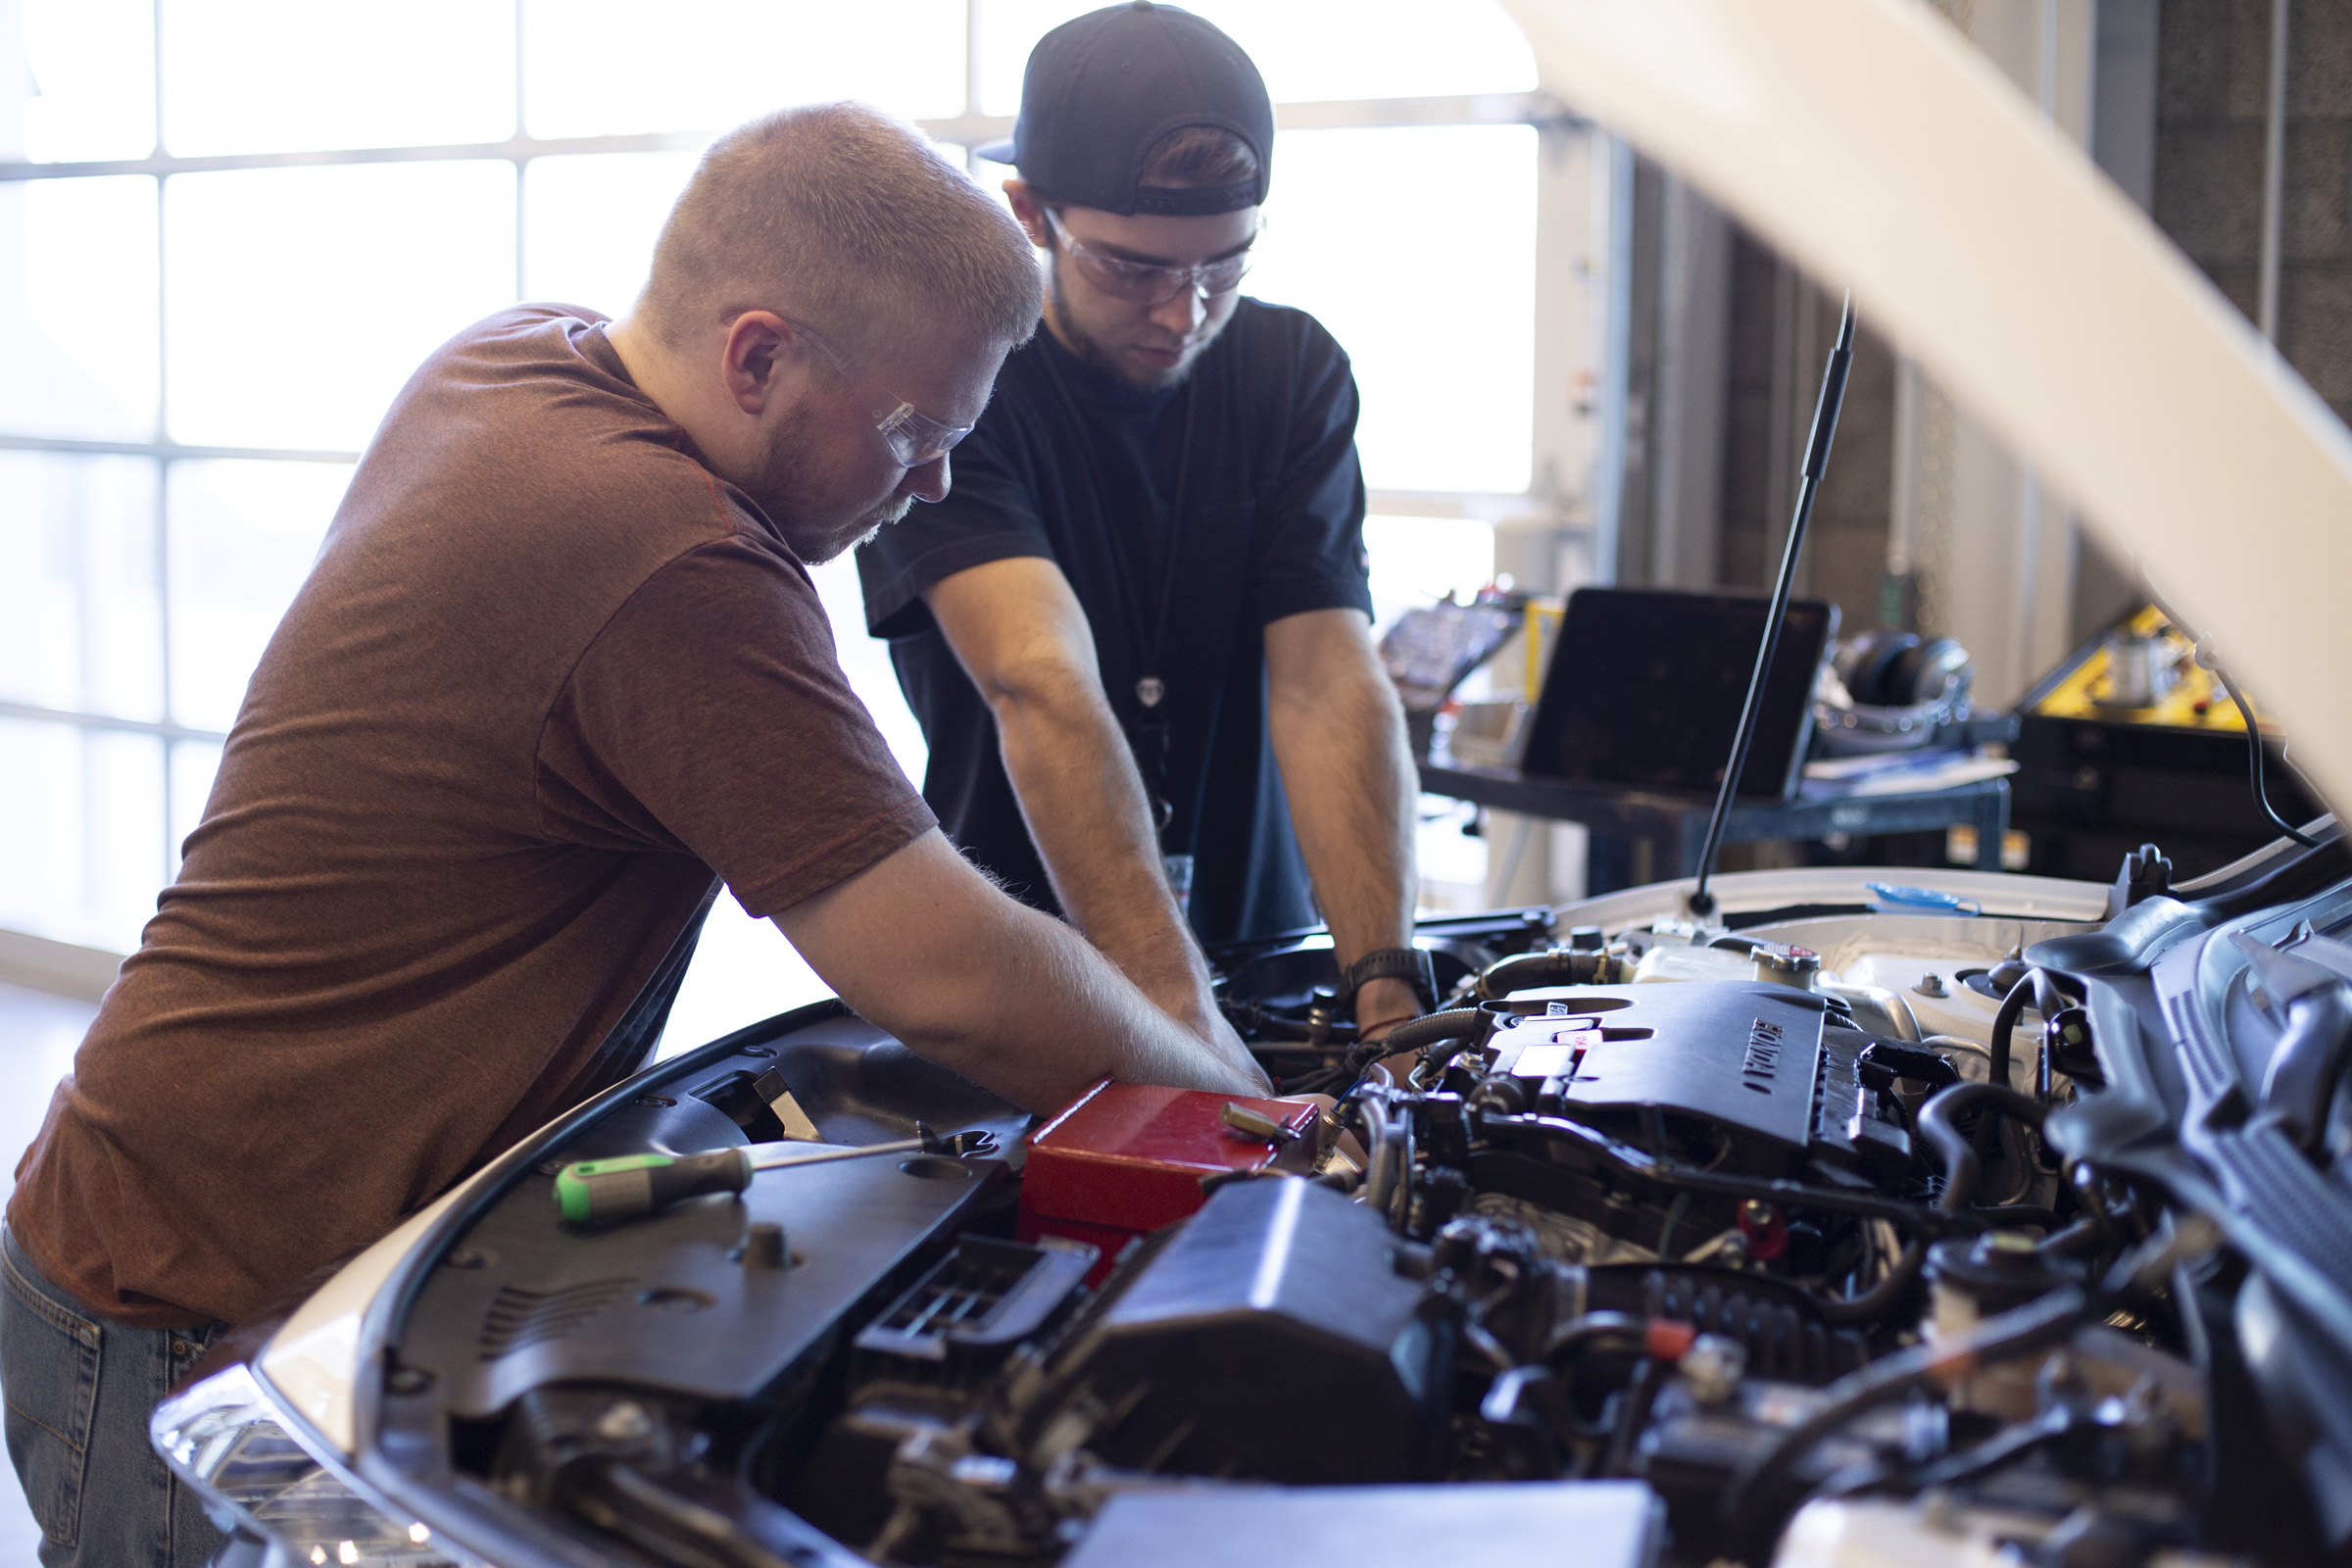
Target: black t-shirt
[(1070, 464)]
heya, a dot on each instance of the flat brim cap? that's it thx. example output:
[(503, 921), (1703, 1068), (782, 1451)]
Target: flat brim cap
[(1102, 91)]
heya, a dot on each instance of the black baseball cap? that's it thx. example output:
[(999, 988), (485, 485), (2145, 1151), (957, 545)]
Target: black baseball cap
[(1101, 91)]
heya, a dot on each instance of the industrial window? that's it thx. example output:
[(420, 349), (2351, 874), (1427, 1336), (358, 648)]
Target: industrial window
[(229, 229)]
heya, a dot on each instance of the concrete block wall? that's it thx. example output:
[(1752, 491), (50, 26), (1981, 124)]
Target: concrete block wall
[(2213, 90)]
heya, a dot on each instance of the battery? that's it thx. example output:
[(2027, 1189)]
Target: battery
[(1124, 1159)]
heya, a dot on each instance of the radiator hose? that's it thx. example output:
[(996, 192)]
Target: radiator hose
[(1562, 967)]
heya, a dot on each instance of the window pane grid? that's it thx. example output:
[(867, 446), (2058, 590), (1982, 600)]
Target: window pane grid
[(170, 594)]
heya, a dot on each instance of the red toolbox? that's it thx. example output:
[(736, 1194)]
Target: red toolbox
[(1123, 1159)]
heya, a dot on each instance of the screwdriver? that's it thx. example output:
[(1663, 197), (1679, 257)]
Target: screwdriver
[(599, 1192)]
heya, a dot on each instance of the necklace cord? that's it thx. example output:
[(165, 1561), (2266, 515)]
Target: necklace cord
[(1148, 735)]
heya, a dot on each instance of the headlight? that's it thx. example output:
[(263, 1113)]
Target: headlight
[(226, 1438)]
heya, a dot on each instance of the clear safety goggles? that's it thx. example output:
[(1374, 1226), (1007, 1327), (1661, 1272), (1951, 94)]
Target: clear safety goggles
[(914, 437), (1151, 283)]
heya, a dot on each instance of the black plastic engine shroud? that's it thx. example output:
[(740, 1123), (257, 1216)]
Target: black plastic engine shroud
[(1754, 1063)]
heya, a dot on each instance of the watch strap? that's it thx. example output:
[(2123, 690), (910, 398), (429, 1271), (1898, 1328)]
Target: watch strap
[(1394, 964)]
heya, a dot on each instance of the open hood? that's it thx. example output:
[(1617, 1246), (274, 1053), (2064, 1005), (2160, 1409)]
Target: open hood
[(1870, 144)]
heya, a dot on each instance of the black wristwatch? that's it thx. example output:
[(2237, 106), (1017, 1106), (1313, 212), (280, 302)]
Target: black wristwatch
[(1394, 964)]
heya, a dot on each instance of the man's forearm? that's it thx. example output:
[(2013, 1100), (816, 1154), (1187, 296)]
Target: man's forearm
[(1038, 980), (1338, 736), (1070, 767), (927, 949), (1355, 825), (1021, 634)]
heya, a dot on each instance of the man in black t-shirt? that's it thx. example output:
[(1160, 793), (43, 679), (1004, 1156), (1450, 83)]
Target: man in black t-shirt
[(1137, 632)]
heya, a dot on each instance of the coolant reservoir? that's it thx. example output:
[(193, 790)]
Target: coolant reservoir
[(1693, 964)]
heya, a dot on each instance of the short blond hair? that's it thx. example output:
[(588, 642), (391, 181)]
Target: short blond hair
[(840, 216)]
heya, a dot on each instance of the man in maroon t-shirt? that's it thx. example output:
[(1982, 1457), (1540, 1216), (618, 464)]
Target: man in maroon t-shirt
[(559, 664)]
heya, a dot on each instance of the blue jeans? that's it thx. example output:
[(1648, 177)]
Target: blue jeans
[(78, 1392)]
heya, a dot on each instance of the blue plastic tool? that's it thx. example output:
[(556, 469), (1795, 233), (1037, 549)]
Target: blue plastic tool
[(1895, 900)]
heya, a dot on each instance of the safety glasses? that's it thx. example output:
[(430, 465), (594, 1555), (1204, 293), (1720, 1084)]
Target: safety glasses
[(914, 437), (1147, 282)]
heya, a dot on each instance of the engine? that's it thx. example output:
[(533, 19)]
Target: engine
[(1665, 1241)]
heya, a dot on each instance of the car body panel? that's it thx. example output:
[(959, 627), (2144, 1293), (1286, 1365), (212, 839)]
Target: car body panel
[(313, 1361)]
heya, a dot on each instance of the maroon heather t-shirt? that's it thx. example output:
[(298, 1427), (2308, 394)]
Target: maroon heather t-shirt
[(547, 676)]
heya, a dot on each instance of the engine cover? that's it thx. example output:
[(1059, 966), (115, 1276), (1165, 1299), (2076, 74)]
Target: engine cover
[(1749, 1063)]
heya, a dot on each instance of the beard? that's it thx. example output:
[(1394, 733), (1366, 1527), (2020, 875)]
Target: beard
[(1092, 350), (791, 491), (880, 520)]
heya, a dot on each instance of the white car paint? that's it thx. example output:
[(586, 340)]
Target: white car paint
[(2039, 898)]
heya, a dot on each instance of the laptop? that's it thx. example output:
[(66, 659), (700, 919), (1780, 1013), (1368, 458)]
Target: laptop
[(1645, 688)]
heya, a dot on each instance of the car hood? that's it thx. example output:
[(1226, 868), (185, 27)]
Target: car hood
[(1869, 143)]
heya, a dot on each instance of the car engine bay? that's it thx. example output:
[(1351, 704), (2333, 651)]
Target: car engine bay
[(1822, 1235)]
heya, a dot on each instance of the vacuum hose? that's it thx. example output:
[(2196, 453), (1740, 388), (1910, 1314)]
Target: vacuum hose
[(1563, 966), (1962, 1170)]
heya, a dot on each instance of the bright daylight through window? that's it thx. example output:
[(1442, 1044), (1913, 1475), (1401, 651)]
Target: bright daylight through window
[(229, 229)]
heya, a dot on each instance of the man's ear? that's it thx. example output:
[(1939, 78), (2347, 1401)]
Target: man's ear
[(1029, 210), (752, 361)]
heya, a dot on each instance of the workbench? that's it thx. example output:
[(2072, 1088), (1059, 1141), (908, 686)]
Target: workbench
[(1675, 823)]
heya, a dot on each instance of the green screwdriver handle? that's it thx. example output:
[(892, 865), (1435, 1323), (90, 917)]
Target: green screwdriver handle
[(598, 1192)]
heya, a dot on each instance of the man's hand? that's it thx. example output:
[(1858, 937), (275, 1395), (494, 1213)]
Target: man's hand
[(1384, 1004), (1205, 1022), (1178, 985), (1208, 1022), (925, 947)]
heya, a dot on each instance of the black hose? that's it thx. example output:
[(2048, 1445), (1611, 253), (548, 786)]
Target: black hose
[(1586, 1327), (1640, 1164), (2083, 1236), (1453, 1024), (1841, 1311), (2084, 1178), (1950, 1360), (2049, 1003), (1643, 1167), (2022, 1331), (1340, 1078), (2262, 794), (2004, 1019), (1633, 1413), (2003, 1447), (1565, 967), (1962, 1170)]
